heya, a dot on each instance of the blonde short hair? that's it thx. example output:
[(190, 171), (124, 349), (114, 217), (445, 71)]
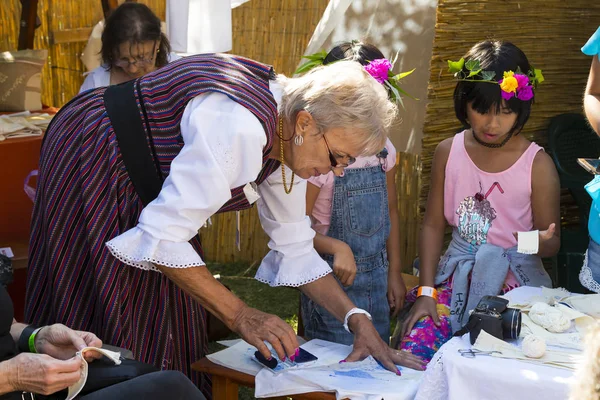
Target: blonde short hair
[(342, 95), (587, 377)]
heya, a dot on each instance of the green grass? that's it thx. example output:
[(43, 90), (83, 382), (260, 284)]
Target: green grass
[(282, 301)]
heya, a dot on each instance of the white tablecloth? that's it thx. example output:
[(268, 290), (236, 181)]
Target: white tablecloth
[(450, 376)]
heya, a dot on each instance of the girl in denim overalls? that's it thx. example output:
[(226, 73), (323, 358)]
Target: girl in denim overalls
[(356, 219)]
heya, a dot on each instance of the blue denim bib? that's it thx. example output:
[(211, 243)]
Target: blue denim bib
[(360, 218)]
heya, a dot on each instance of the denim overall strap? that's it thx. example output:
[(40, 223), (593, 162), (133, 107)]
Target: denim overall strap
[(360, 218)]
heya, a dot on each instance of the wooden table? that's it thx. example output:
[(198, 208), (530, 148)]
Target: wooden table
[(226, 382)]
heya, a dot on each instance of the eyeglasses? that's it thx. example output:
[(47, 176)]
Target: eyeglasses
[(140, 62), (333, 158)]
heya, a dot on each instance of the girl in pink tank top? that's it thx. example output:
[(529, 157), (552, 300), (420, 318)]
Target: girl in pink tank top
[(487, 183)]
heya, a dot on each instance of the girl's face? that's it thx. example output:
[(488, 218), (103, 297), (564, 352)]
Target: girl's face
[(491, 127)]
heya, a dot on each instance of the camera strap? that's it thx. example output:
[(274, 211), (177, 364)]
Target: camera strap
[(467, 328)]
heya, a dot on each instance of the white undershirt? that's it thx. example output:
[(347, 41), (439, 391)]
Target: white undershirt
[(223, 144), (100, 76)]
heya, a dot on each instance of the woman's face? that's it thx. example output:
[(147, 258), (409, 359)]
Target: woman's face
[(137, 59), (320, 151), (491, 128)]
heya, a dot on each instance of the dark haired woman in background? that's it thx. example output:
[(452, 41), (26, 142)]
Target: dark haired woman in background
[(132, 45)]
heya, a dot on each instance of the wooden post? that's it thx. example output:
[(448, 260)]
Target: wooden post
[(108, 6), (28, 24)]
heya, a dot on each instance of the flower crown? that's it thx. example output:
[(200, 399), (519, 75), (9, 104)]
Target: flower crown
[(513, 84), (380, 69)]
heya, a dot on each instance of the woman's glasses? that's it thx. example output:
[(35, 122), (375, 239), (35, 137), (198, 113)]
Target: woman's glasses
[(333, 158), (140, 62)]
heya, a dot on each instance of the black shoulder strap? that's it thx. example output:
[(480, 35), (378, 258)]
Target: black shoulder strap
[(471, 323), (122, 109)]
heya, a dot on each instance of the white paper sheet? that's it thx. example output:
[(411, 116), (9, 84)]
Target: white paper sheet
[(237, 357), (361, 380)]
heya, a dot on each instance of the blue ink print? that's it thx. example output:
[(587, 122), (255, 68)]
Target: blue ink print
[(354, 373)]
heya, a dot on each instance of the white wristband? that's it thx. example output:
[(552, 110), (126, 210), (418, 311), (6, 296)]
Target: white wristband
[(353, 311)]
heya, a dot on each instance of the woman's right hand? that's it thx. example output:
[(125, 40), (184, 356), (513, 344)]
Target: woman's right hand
[(424, 306), (255, 327), (41, 374)]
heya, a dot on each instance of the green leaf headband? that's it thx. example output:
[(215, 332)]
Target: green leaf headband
[(513, 84), (380, 69)]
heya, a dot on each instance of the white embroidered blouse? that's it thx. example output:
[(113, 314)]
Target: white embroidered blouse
[(223, 144)]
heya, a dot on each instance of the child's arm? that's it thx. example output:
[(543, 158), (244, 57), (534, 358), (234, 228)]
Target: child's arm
[(545, 204), (431, 239), (591, 100), (344, 265), (396, 287)]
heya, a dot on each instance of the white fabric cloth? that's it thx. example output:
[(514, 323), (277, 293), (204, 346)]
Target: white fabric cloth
[(113, 356), (200, 26), (580, 310), (223, 144), (332, 17), (100, 77), (450, 376), (23, 124), (237, 3)]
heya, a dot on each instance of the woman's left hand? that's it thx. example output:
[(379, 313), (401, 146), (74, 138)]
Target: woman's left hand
[(368, 342), (396, 292), (61, 342)]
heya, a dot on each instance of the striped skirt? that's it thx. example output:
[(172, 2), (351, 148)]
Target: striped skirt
[(84, 199)]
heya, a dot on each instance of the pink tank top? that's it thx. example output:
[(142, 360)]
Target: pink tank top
[(488, 207)]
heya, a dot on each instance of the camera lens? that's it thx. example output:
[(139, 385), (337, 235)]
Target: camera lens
[(511, 323)]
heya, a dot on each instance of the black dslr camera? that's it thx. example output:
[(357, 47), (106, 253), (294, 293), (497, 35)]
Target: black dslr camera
[(493, 316)]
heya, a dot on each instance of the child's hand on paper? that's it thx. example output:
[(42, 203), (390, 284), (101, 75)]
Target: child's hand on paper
[(344, 265)]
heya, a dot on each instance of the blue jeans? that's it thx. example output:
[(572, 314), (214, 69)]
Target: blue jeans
[(359, 218), (369, 292)]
